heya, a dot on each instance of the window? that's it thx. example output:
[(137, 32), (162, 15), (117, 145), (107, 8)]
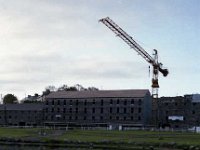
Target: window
[(124, 118), (117, 101), (101, 102), (117, 109), (52, 109), (58, 102), (85, 110), (117, 118), (85, 102), (52, 102), (70, 102), (139, 110), (111, 101), (76, 110), (110, 109), (93, 117), (76, 102), (58, 109), (124, 110), (110, 117), (47, 102), (70, 117), (70, 110), (132, 101), (93, 102), (139, 118), (140, 102), (46, 109), (101, 110), (93, 110), (132, 110), (193, 112), (76, 118), (84, 118), (125, 102), (101, 117), (64, 110), (131, 117)]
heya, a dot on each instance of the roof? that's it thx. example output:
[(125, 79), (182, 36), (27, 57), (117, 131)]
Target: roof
[(98, 94), (30, 106)]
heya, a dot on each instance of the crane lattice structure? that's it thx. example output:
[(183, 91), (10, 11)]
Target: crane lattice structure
[(157, 67)]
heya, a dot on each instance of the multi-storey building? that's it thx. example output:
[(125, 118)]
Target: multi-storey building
[(111, 108), (21, 114), (171, 112), (179, 112), (100, 108)]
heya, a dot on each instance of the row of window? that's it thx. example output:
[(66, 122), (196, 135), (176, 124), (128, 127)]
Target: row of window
[(93, 110), (176, 111), (179, 103), (20, 111), (19, 117), (125, 102), (70, 118)]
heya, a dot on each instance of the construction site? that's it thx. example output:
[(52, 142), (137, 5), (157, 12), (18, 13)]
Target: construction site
[(110, 109)]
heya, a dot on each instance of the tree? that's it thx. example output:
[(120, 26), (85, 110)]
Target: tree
[(48, 90), (10, 99), (92, 89), (62, 88), (71, 88)]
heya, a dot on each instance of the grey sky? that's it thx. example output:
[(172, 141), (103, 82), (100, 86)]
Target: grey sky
[(48, 42)]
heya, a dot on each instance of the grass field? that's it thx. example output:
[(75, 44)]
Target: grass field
[(103, 136)]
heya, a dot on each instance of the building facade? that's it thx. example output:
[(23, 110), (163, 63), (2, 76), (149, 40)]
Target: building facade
[(179, 111), (98, 108), (21, 114), (114, 109)]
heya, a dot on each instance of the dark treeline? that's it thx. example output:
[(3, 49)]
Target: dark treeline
[(65, 87), (12, 99)]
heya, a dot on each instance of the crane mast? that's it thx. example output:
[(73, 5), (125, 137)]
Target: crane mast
[(157, 67)]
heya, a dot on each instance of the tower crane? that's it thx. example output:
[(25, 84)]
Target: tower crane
[(157, 66)]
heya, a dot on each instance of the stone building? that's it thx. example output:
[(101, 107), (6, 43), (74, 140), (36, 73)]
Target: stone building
[(114, 109), (111, 108), (179, 111), (21, 114), (171, 112)]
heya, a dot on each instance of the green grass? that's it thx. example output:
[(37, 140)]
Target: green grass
[(114, 138), (132, 136), (15, 132), (20, 132)]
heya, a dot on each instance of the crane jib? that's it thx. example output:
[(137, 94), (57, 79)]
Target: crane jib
[(128, 39), (157, 67), (133, 44)]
